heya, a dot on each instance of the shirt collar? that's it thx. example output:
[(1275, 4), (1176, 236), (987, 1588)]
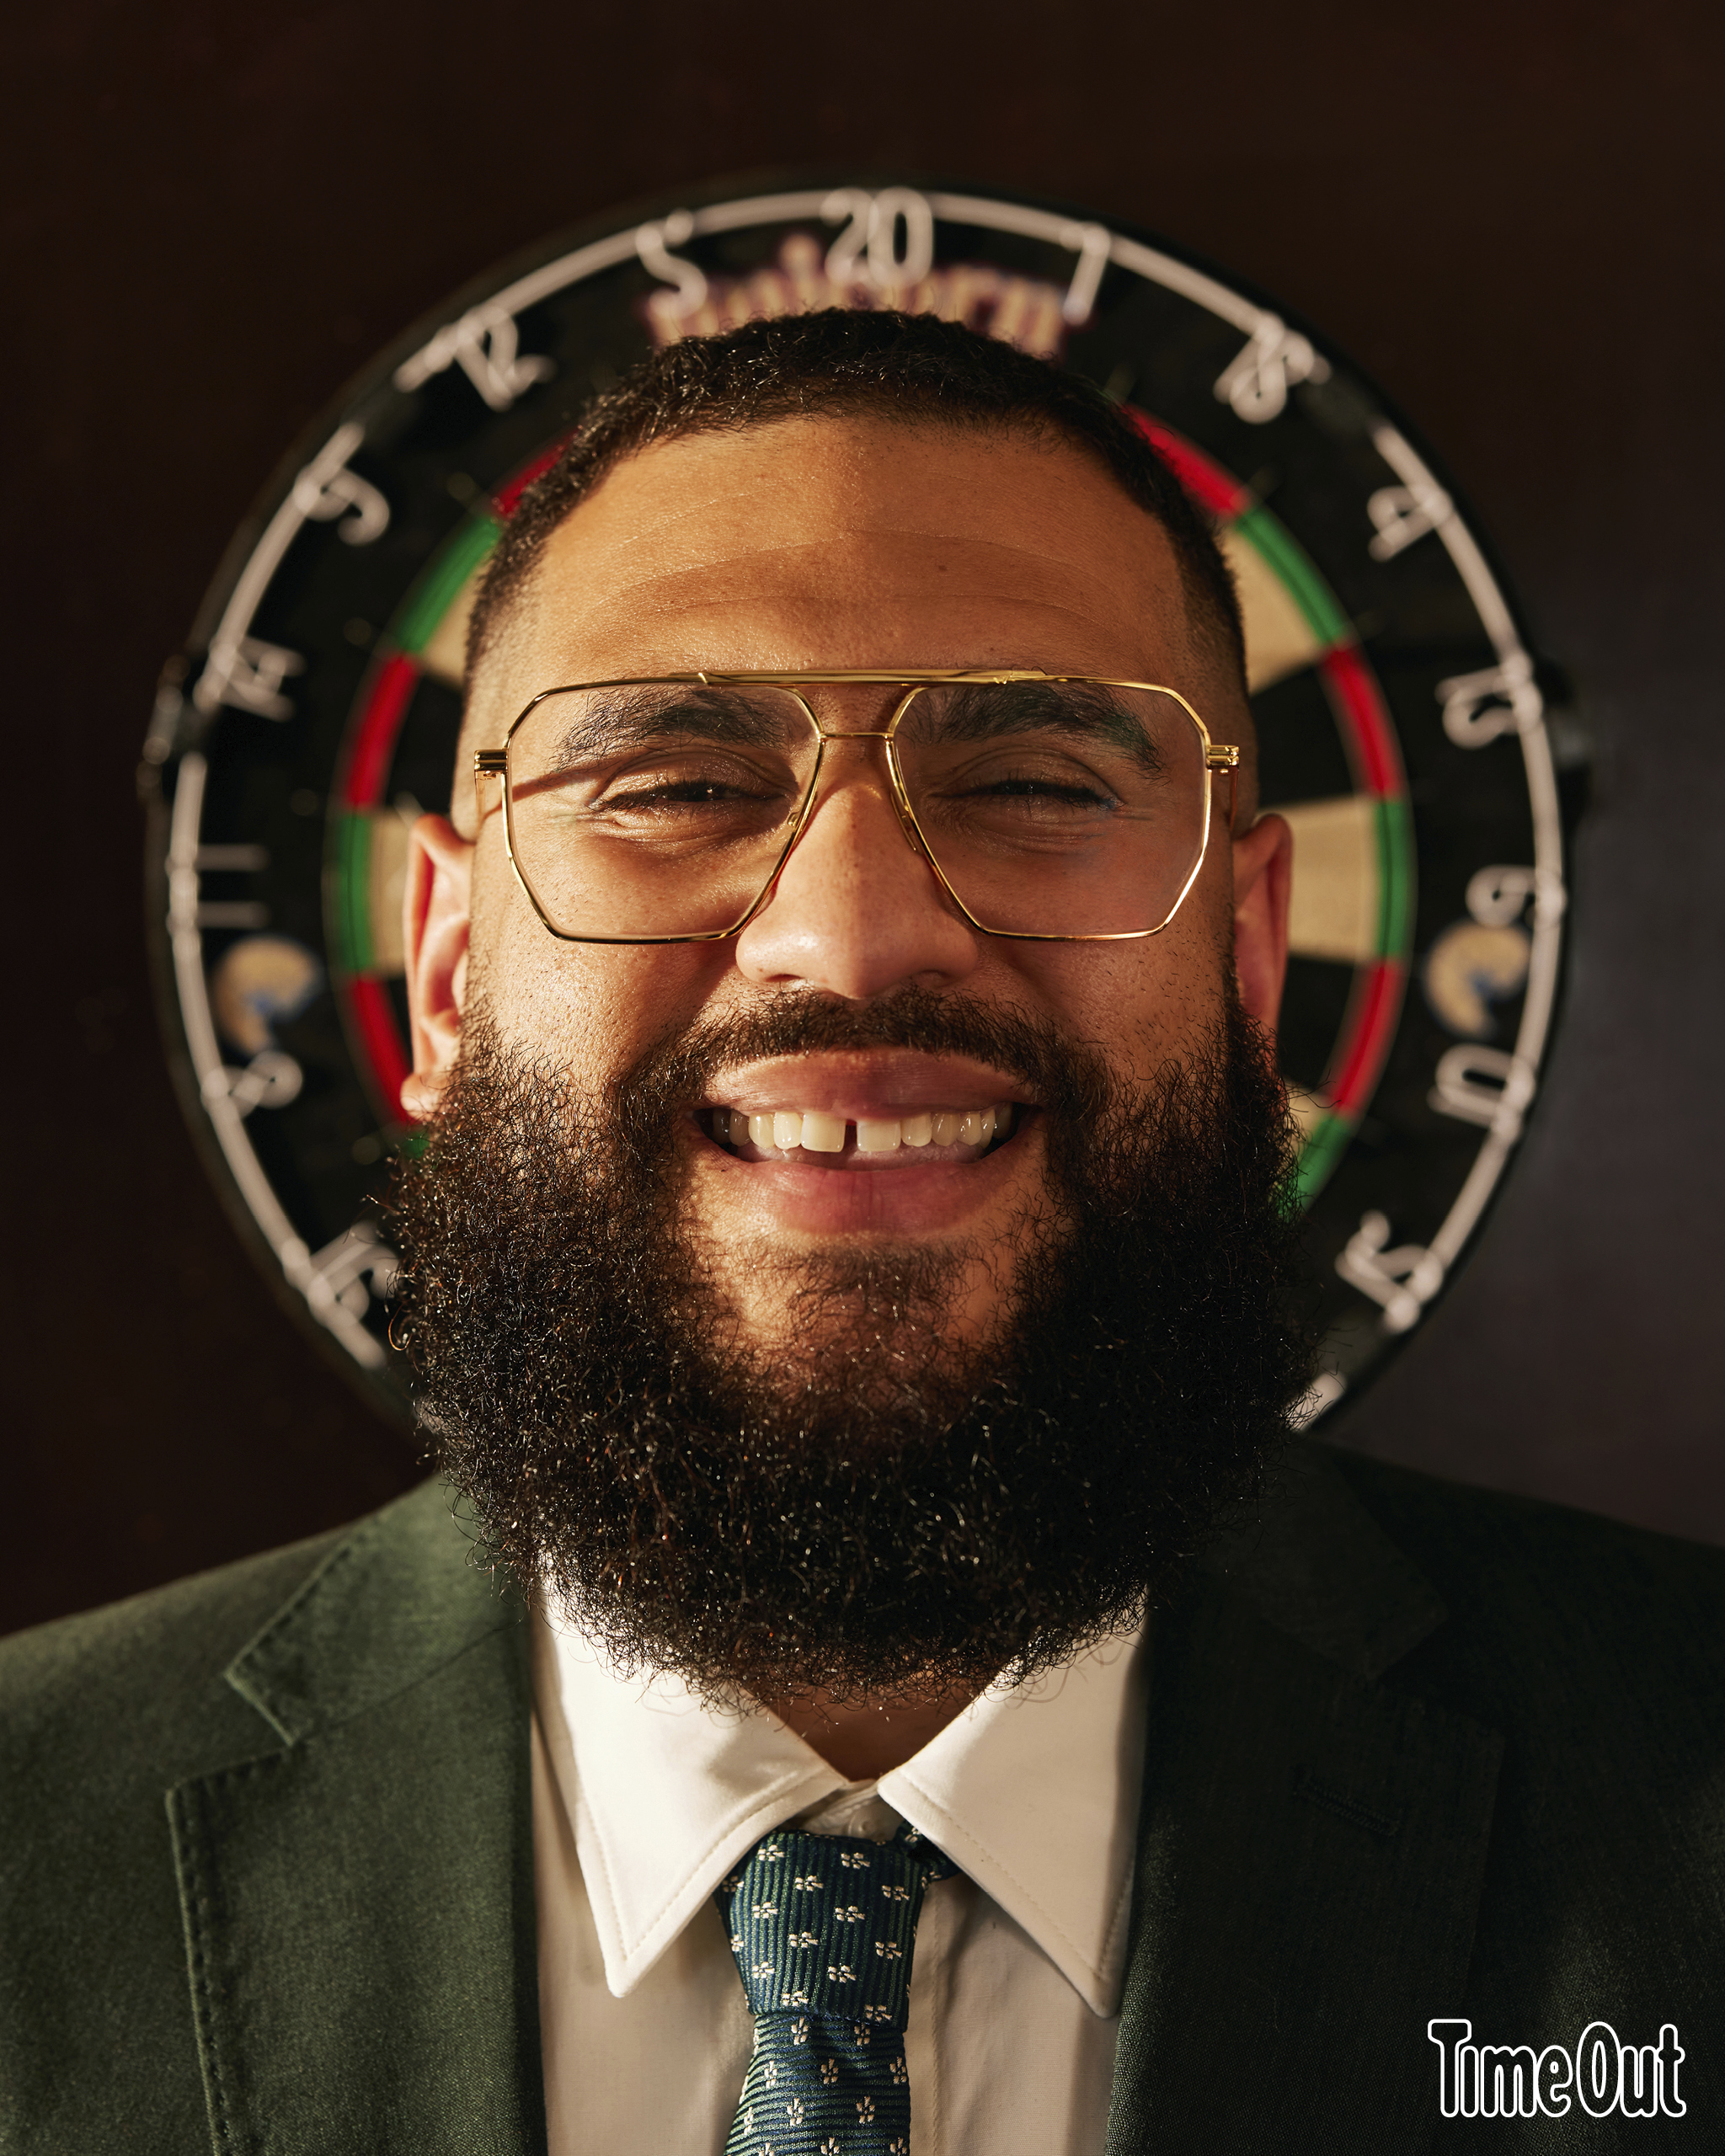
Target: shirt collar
[(1033, 1792)]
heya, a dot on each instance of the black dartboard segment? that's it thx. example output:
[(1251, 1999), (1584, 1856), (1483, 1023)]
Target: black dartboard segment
[(1403, 728)]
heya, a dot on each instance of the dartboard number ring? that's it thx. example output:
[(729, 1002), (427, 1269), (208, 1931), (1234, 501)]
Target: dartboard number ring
[(1403, 728)]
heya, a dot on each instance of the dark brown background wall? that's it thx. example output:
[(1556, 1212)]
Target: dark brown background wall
[(1508, 212)]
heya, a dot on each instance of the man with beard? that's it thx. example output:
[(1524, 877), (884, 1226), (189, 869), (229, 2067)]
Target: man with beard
[(848, 1279)]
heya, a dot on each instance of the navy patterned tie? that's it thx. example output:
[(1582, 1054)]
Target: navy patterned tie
[(823, 1927)]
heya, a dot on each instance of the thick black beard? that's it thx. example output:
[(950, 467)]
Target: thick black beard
[(874, 1514)]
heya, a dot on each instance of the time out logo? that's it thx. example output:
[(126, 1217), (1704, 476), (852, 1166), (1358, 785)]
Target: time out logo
[(1603, 2075)]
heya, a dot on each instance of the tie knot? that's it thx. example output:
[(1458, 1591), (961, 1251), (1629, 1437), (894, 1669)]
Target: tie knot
[(824, 1924)]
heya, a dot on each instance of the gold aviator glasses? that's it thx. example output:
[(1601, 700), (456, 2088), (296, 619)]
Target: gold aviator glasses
[(1056, 808)]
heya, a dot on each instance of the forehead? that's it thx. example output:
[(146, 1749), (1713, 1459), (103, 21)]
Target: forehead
[(813, 543)]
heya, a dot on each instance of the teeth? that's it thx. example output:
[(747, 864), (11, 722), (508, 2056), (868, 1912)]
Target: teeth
[(786, 1130)]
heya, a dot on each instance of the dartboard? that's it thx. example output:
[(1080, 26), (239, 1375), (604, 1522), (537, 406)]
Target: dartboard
[(1403, 718)]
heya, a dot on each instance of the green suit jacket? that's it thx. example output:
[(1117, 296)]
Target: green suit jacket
[(1414, 1751)]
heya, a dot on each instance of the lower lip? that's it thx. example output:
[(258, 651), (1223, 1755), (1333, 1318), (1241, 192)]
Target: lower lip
[(796, 1198)]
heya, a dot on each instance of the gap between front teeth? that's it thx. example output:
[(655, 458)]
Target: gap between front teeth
[(786, 1129)]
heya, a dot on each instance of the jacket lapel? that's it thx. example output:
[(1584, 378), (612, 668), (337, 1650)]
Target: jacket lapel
[(358, 1900), (1310, 1853)]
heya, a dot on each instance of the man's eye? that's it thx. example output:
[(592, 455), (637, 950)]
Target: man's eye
[(680, 793), (665, 782), (1062, 792), (1058, 793)]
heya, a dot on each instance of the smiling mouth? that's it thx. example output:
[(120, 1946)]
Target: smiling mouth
[(814, 1138)]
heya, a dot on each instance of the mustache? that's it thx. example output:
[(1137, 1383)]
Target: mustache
[(676, 1069)]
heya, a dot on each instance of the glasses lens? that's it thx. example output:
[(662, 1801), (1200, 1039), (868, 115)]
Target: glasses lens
[(651, 809), (1057, 808)]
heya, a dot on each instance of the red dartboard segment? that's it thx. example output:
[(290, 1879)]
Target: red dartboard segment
[(508, 497), (376, 730), (1378, 1007), (1209, 486), (364, 998), (373, 1021), (1360, 702), (1375, 1008)]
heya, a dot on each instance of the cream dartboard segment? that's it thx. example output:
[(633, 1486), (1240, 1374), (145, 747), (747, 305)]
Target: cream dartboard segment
[(1401, 713)]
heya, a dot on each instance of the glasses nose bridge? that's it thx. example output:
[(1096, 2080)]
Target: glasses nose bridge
[(830, 774), (881, 778), (898, 695)]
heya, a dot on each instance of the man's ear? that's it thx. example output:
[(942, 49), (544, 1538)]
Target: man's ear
[(437, 919), (1264, 866)]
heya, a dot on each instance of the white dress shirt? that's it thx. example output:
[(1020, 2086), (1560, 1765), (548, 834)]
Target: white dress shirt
[(643, 1799)]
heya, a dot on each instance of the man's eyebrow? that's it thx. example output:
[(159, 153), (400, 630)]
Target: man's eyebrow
[(1087, 710), (602, 720)]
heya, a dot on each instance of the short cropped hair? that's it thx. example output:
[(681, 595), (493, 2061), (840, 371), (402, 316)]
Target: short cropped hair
[(909, 369)]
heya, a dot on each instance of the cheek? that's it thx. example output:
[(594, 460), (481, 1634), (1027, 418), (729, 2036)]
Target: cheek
[(1140, 1003), (589, 1009), (1143, 1002)]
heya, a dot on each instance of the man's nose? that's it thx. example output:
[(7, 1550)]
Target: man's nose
[(857, 911)]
